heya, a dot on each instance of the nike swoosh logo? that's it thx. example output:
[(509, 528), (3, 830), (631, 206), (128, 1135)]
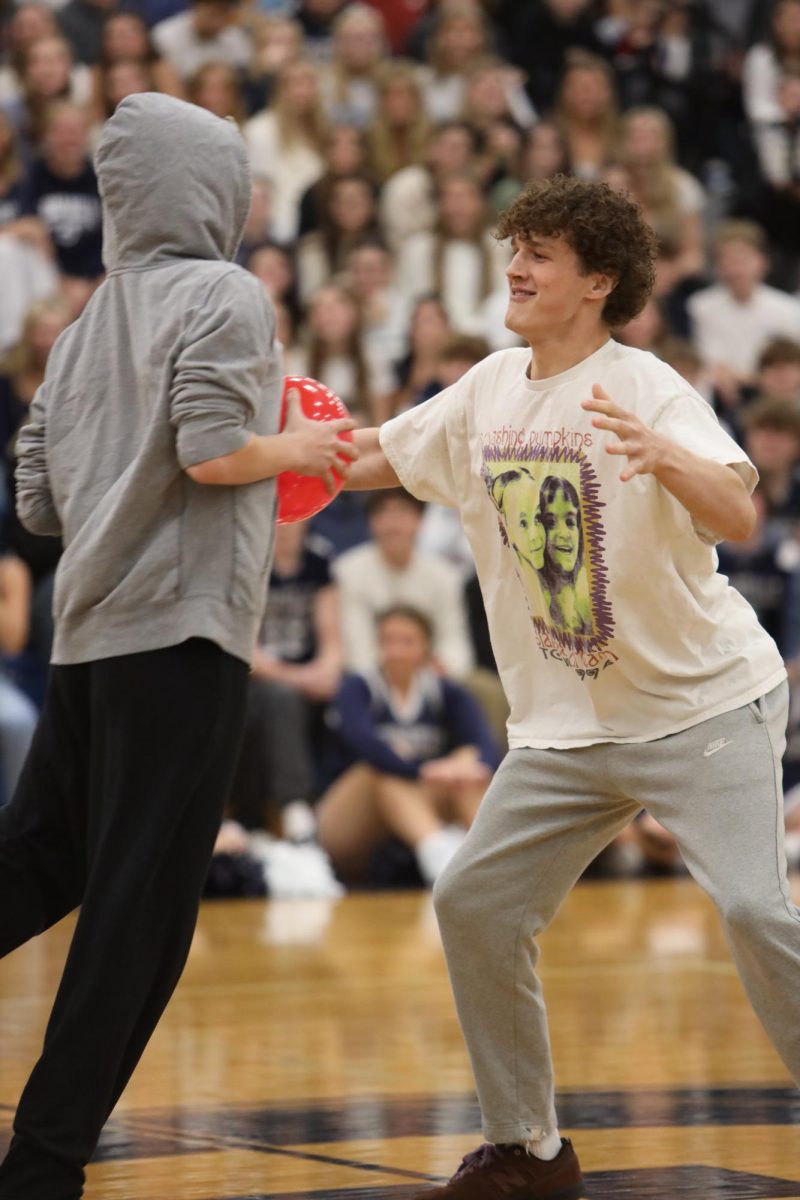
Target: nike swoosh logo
[(713, 749)]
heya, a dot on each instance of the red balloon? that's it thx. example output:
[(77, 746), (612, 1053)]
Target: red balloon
[(301, 496)]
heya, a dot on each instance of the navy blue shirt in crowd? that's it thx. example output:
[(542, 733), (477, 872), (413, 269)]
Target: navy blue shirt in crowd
[(768, 576), (287, 631), (370, 728), (70, 208)]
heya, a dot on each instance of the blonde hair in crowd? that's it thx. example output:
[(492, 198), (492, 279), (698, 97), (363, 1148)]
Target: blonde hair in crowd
[(608, 126), (293, 129), (391, 148), (353, 16)]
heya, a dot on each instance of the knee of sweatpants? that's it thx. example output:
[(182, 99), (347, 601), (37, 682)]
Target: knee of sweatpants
[(454, 898), (744, 914)]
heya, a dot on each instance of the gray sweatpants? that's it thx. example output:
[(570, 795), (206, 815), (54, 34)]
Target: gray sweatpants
[(715, 786)]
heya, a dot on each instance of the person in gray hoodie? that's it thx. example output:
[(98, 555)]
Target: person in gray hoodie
[(152, 448)]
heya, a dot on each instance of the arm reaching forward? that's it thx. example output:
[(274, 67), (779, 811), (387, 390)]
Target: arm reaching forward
[(373, 469), (310, 447), (712, 493)]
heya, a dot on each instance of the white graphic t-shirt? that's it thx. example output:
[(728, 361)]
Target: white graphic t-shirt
[(608, 618)]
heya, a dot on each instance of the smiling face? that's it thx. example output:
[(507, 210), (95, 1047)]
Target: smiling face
[(548, 288), (526, 533), (561, 519)]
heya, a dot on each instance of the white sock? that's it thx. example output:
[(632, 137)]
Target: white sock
[(546, 1148), (298, 822), (435, 851)]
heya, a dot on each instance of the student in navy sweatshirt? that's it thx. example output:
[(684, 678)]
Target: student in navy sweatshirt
[(415, 755)]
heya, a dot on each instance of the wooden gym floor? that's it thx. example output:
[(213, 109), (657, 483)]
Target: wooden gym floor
[(312, 1050)]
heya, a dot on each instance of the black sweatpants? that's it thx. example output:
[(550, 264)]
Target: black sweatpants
[(117, 811)]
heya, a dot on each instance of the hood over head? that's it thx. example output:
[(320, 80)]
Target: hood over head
[(175, 183)]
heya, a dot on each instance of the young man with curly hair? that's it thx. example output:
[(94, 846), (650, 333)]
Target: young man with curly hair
[(636, 676)]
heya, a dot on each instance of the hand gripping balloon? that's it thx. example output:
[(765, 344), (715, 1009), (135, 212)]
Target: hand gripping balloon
[(301, 496)]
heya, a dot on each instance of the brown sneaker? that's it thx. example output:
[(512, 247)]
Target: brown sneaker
[(510, 1173)]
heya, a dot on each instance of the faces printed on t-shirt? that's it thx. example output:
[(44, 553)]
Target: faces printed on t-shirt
[(541, 514)]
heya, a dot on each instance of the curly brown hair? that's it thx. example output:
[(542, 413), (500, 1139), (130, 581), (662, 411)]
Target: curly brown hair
[(606, 229)]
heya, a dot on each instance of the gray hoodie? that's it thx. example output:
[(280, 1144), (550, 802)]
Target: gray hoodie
[(173, 362)]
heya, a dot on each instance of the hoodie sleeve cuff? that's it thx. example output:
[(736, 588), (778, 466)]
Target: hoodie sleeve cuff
[(203, 438)]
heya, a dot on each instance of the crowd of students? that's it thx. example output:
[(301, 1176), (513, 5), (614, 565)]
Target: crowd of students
[(384, 138)]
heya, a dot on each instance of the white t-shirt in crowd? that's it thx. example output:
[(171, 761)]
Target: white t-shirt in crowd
[(608, 618), (368, 585), (734, 332), (177, 40)]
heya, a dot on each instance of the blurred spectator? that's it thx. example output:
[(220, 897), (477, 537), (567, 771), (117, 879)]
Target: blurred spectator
[(348, 84), (766, 61), (460, 260), (766, 570), (587, 114), (337, 352), (259, 220), (495, 94), (216, 87), (778, 374), (772, 441), (277, 40), (61, 190), (778, 147), (11, 173), (28, 23), (460, 37), (81, 22), (28, 275), (543, 156), (23, 370), (390, 570), (384, 310), (653, 52), (647, 330), (349, 216), (672, 199), (681, 355), (418, 372), (116, 82), (17, 714), (274, 265), (318, 19), (296, 671), (398, 134), (409, 197), (126, 39), (206, 32), (401, 18), (47, 75), (22, 367), (541, 36), (416, 756), (294, 360), (345, 153), (734, 318), (285, 143)]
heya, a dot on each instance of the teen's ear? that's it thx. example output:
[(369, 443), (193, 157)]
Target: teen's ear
[(602, 286)]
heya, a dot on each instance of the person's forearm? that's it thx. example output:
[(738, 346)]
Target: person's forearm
[(373, 469), (711, 492), (261, 457)]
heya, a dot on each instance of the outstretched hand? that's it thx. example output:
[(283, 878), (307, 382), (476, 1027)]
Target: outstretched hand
[(643, 447), (321, 450)]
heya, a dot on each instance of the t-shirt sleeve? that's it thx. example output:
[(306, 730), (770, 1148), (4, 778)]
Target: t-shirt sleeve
[(422, 445), (693, 424), (219, 384)]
